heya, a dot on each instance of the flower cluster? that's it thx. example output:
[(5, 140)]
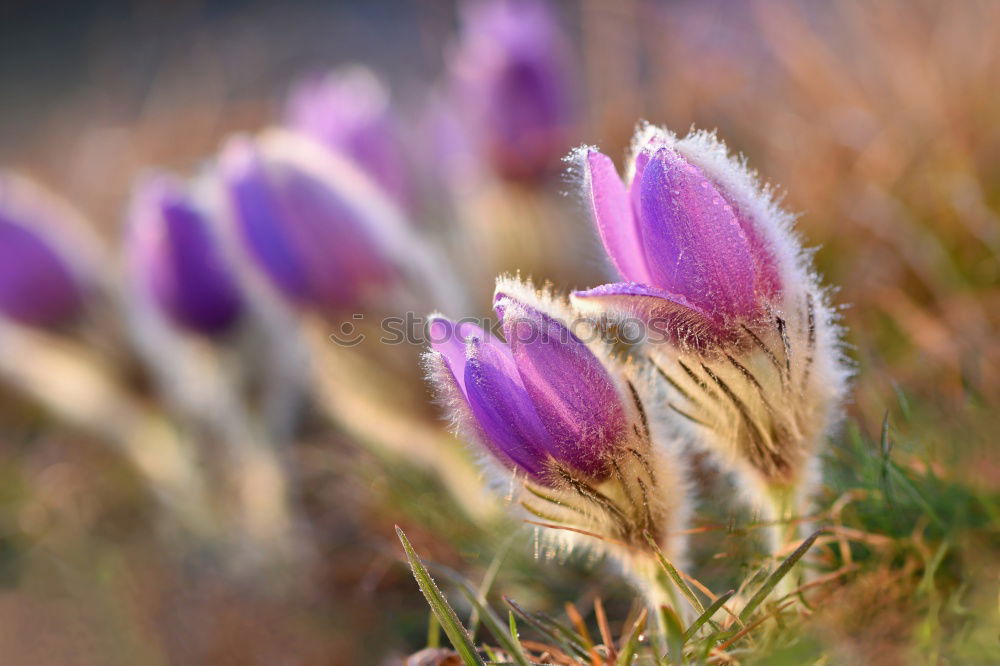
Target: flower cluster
[(749, 367)]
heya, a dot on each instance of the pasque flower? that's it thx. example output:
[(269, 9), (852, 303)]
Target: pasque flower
[(175, 255), (737, 324), (43, 278), (349, 110), (559, 417), (311, 221), (512, 76)]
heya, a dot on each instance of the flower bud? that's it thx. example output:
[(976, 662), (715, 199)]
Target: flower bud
[(349, 111), (312, 222), (566, 421), (175, 255), (737, 323), (42, 279), (512, 72)]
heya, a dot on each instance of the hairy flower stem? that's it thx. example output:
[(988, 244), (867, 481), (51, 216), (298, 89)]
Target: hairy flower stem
[(785, 532)]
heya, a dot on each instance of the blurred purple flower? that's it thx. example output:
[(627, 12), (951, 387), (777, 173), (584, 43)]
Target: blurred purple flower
[(39, 281), (307, 220), (174, 254), (542, 396), (512, 71), (689, 254), (349, 110)]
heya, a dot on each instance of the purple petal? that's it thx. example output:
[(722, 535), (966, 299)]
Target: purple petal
[(450, 340), (340, 256), (174, 251), (612, 212), (37, 286), (503, 408), (573, 393), (311, 242), (695, 245), (260, 219), (348, 110), (666, 316), (512, 72)]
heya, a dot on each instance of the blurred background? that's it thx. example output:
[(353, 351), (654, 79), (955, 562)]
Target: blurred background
[(182, 485)]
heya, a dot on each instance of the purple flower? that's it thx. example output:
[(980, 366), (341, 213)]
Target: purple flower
[(310, 222), (751, 359), (512, 72), (539, 399), (569, 424), (175, 255), (40, 283), (687, 248), (349, 111)]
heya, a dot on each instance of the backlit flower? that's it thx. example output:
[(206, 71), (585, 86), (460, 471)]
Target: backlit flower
[(512, 76), (562, 418), (174, 252), (736, 321), (43, 274), (349, 110)]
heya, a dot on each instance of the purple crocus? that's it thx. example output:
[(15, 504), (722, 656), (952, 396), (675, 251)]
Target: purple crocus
[(690, 256), (512, 72), (310, 221), (40, 282), (174, 254), (539, 400), (349, 111)]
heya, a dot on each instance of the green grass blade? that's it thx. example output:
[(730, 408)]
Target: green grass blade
[(489, 618), (631, 645), (488, 579), (675, 576), (433, 631), (899, 476), (551, 631), (446, 616), (778, 574), (675, 635), (707, 615)]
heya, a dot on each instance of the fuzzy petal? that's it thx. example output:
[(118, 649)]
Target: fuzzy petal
[(613, 214), (573, 393), (503, 409), (695, 245), (450, 340), (666, 316)]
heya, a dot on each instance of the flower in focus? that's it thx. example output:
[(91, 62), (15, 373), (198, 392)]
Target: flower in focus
[(512, 72), (313, 223), (43, 280), (349, 111), (175, 255), (560, 419), (737, 323)]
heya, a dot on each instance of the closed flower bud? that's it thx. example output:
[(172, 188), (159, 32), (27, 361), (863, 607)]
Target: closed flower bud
[(561, 418), (736, 321), (175, 255), (43, 274), (512, 72), (313, 223), (349, 111)]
